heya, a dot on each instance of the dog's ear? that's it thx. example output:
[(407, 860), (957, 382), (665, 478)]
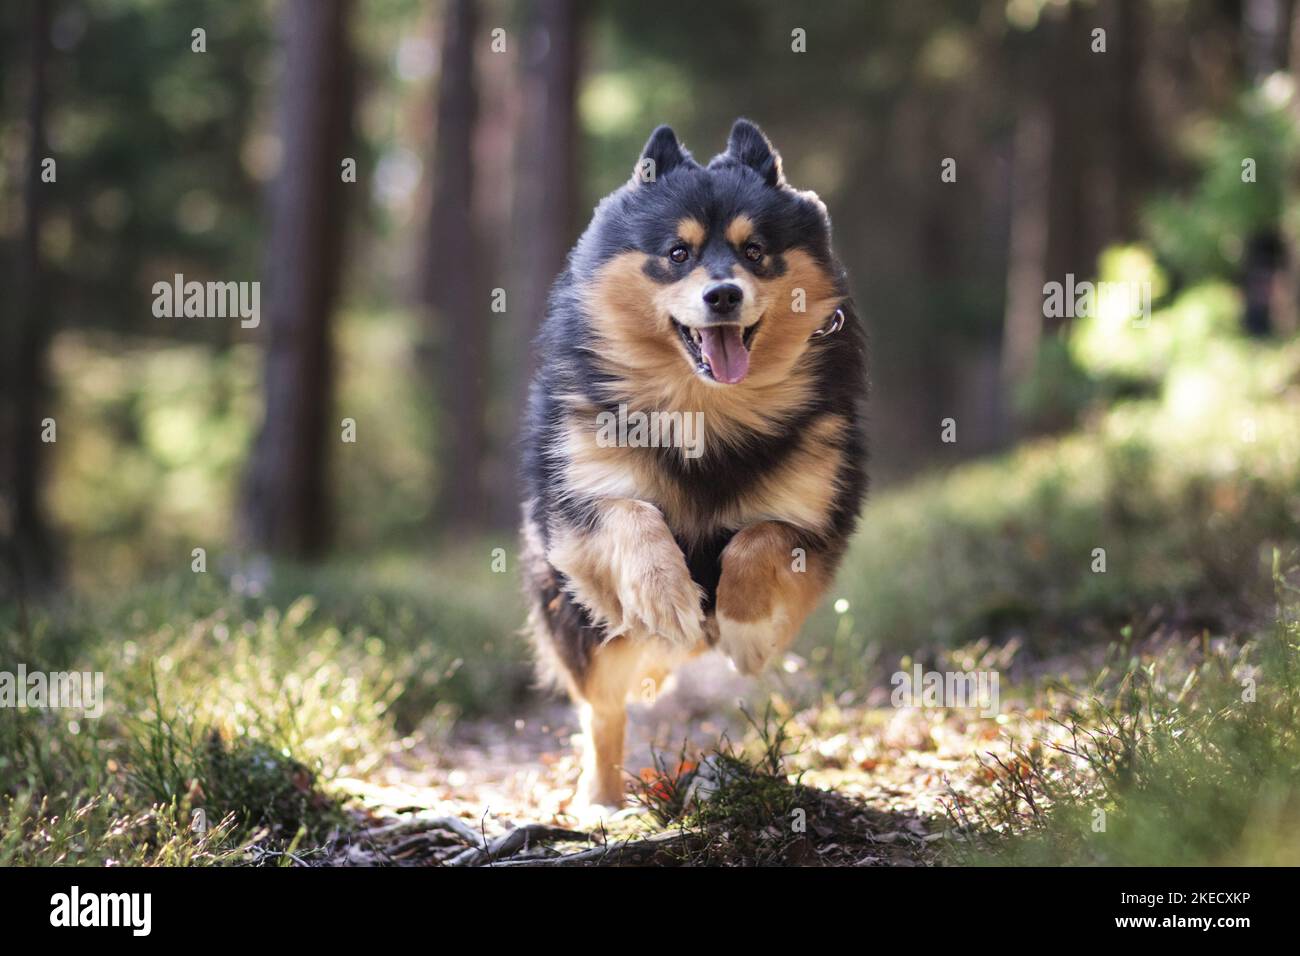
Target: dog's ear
[(662, 154), (748, 146)]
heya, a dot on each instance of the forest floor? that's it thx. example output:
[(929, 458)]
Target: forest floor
[(874, 782), (1170, 745)]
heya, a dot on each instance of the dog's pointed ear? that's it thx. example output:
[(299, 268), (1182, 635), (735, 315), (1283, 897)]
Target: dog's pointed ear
[(749, 147), (662, 154)]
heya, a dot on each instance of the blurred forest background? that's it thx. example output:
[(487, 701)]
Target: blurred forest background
[(477, 160), (352, 620)]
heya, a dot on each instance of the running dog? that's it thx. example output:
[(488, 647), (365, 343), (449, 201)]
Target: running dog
[(698, 295)]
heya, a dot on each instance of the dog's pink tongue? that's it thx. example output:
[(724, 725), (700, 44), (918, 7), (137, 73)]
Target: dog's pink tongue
[(724, 350)]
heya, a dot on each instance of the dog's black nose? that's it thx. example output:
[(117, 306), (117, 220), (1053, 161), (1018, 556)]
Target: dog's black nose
[(723, 297)]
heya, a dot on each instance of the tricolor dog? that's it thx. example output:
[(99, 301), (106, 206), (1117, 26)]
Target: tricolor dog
[(704, 297)]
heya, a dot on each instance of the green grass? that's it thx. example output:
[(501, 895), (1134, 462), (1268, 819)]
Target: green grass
[(245, 707), (1187, 756)]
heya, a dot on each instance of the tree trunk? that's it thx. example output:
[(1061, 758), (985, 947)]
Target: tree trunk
[(1265, 279), (547, 176), (460, 301), (1068, 191), (1130, 144), (25, 378), (1287, 311), (1081, 197), (1027, 256), (286, 507), (495, 135)]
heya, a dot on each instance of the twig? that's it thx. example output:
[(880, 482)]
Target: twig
[(512, 842), (627, 853)]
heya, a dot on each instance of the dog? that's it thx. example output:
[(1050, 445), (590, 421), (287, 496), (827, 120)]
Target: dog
[(697, 294)]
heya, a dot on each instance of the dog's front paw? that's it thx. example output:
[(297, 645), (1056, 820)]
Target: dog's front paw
[(631, 575), (763, 596), (658, 596), (751, 644)]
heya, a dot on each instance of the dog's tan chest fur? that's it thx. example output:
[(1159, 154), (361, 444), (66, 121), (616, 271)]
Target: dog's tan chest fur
[(799, 490)]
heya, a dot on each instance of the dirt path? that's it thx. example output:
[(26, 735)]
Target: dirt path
[(525, 770), (892, 769)]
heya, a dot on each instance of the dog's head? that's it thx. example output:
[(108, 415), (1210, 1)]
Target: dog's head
[(720, 273)]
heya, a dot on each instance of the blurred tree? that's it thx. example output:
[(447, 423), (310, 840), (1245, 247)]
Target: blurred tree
[(1263, 29), (1079, 160), (546, 177), (286, 506), (1265, 273), (1288, 313), (24, 379), (454, 279), (159, 158), (496, 138), (1027, 254)]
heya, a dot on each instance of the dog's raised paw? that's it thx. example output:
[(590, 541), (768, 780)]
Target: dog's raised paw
[(659, 598), (749, 644)]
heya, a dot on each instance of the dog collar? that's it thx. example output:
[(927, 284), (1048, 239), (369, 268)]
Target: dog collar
[(830, 328)]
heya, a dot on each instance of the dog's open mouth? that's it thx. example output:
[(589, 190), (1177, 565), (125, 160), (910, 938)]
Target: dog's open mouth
[(720, 352)]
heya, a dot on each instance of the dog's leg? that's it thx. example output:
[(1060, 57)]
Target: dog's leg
[(765, 592), (614, 670), (601, 784), (628, 571)]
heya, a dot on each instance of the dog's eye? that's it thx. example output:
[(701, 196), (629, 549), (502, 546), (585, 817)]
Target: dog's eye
[(753, 251), (679, 253)]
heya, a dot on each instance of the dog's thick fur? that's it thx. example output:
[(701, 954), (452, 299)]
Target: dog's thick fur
[(636, 558)]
